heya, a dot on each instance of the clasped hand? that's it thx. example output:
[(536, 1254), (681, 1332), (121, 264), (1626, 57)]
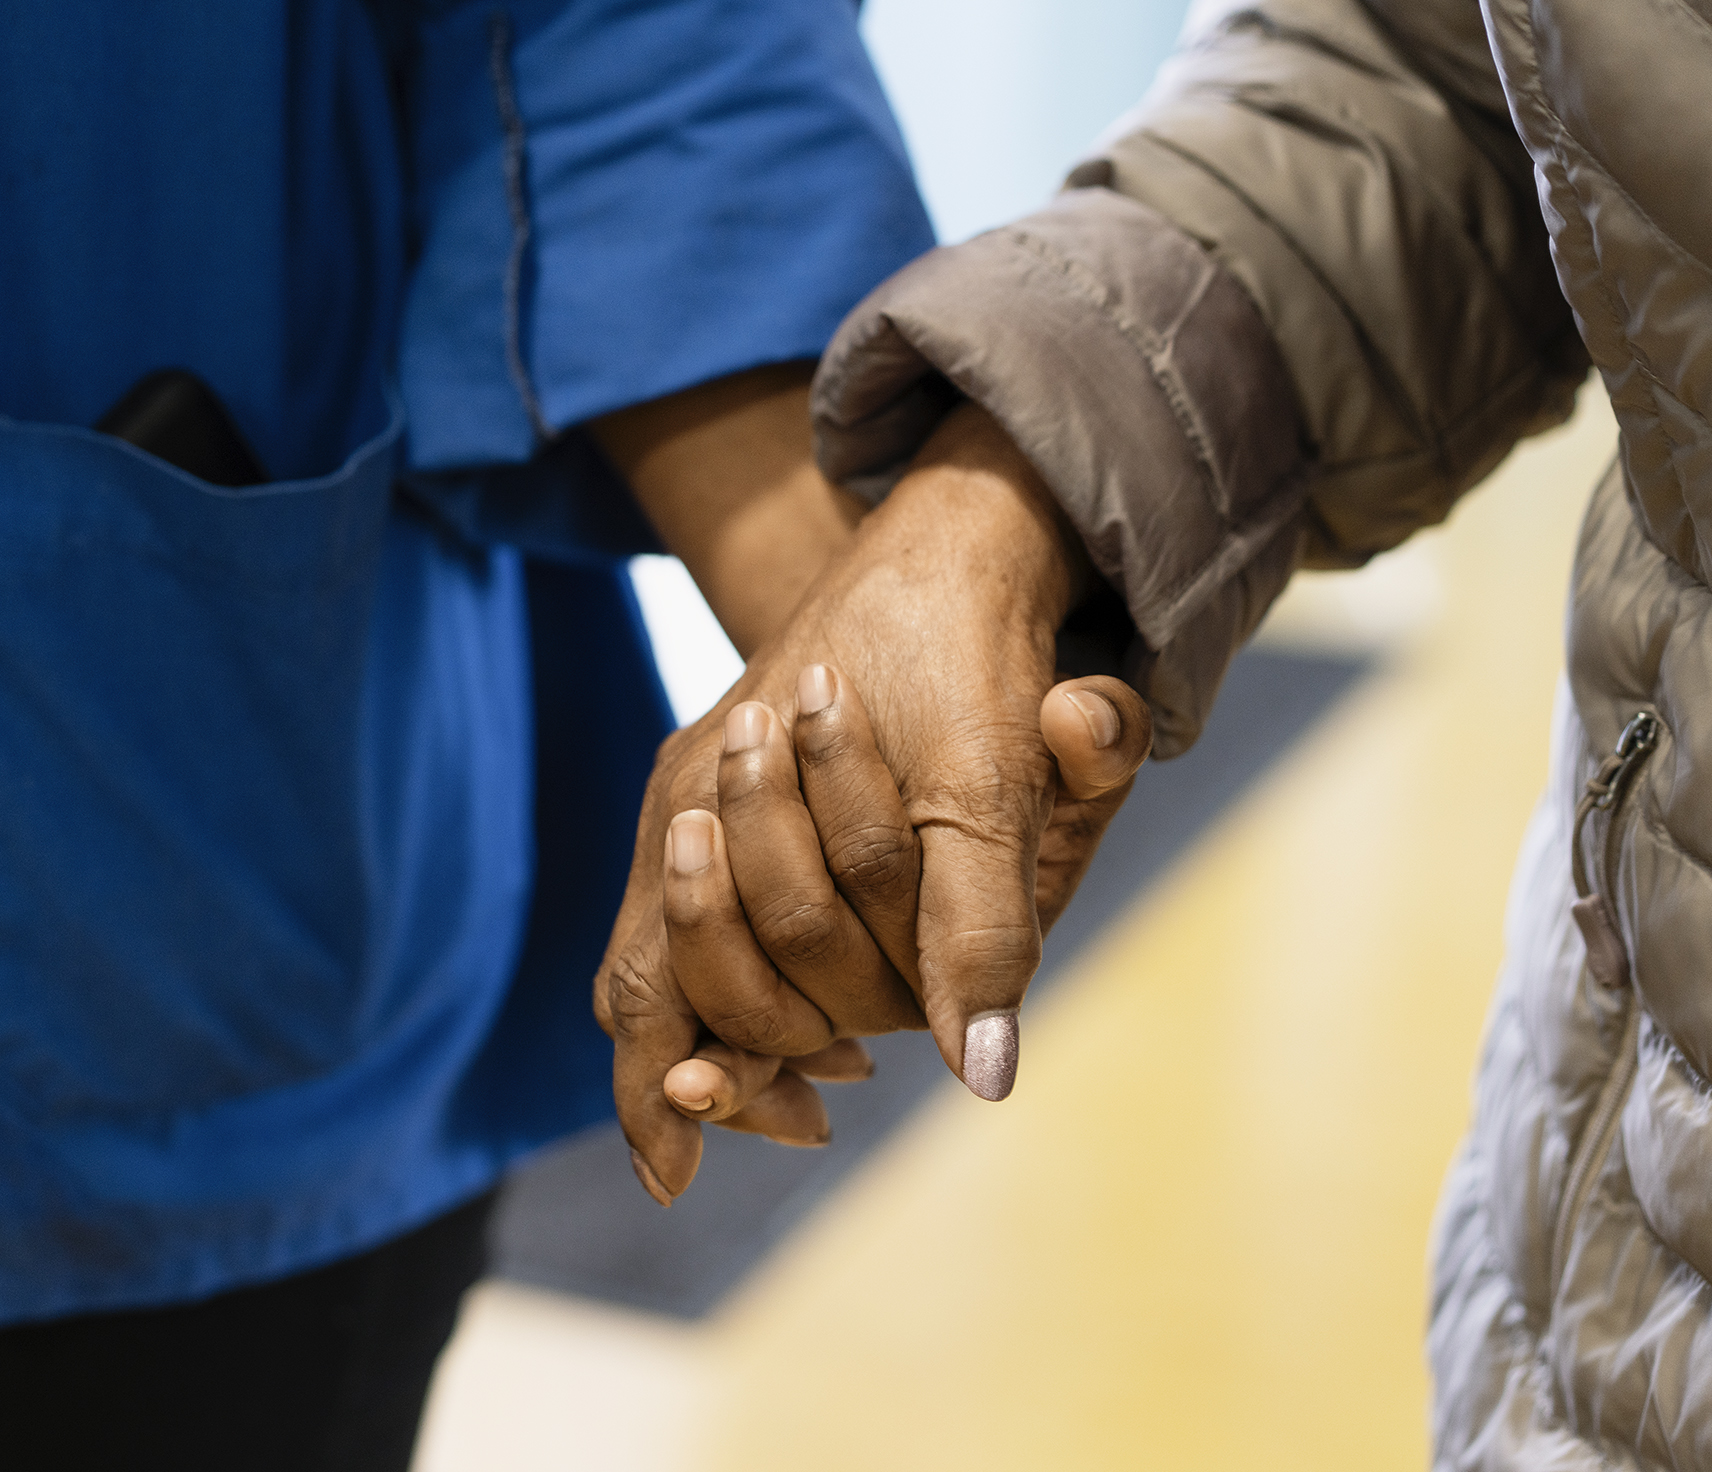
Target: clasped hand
[(875, 826)]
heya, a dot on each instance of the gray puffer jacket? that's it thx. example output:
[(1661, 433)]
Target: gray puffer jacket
[(1339, 260)]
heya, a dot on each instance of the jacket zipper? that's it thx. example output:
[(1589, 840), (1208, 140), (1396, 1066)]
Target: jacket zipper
[(1607, 788), (1606, 791)]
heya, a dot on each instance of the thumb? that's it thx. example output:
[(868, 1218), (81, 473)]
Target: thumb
[(977, 932), (1100, 731)]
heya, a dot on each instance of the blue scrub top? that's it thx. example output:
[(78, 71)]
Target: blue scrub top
[(319, 795)]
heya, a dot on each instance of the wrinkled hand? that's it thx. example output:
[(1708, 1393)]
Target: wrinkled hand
[(933, 844)]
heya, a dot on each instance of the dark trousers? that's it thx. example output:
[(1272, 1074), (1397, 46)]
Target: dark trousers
[(322, 1372)]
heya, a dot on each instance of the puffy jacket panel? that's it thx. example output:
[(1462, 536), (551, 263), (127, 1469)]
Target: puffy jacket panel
[(1625, 197)]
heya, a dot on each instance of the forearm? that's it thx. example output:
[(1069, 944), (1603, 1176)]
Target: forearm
[(725, 472)]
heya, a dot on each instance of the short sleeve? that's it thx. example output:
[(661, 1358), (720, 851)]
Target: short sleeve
[(614, 200)]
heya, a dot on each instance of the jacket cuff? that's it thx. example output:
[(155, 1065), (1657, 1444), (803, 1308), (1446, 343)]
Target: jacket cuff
[(1142, 383)]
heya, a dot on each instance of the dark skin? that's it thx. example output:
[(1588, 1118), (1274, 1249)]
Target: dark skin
[(874, 827)]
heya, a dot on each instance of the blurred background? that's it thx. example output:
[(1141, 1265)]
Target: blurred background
[(1197, 1234)]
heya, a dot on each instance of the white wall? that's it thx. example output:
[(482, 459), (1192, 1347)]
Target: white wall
[(999, 98)]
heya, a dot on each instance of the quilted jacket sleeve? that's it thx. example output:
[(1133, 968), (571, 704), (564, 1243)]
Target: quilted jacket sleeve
[(1299, 301)]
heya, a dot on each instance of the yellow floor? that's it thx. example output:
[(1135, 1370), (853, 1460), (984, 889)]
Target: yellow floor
[(1195, 1237)]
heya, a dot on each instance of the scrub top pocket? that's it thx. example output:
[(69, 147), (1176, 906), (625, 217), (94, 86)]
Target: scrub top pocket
[(218, 846)]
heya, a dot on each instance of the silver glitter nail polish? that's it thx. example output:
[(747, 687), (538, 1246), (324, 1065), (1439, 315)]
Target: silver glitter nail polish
[(990, 1053)]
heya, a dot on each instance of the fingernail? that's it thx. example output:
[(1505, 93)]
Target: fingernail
[(746, 726), (705, 1101), (813, 1143), (990, 1054), (650, 1181), (690, 839), (1103, 723), (814, 689)]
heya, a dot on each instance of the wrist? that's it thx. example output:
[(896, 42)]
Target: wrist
[(725, 472), (995, 517), (756, 565)]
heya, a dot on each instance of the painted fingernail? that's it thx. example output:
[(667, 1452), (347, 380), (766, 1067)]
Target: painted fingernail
[(650, 1181), (990, 1046), (814, 689), (746, 726), (690, 841), (1103, 723)]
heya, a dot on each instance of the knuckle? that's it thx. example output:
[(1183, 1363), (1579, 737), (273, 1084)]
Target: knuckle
[(749, 778), (983, 793), (691, 786), (797, 929), (873, 858), (1000, 955), (822, 740), (754, 1025), (691, 912), (1081, 827), (633, 997), (677, 753)]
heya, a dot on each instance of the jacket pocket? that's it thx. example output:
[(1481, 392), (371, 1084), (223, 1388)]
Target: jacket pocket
[(1605, 807)]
